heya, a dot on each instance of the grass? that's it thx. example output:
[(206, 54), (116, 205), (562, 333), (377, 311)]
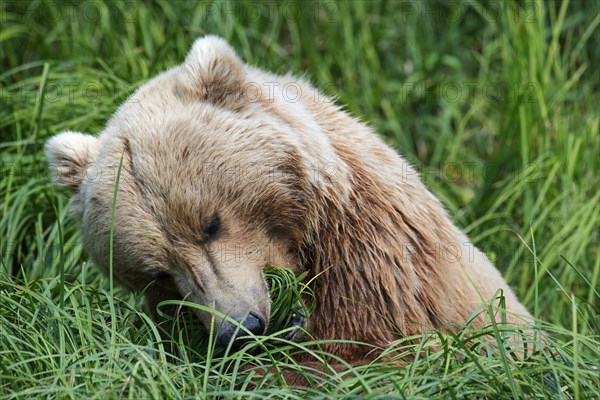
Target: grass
[(496, 103)]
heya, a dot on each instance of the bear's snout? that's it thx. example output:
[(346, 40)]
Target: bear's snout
[(253, 323)]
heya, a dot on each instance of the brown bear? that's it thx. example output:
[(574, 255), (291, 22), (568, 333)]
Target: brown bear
[(227, 169)]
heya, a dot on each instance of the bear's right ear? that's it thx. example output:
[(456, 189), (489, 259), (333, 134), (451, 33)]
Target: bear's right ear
[(214, 72), (68, 154)]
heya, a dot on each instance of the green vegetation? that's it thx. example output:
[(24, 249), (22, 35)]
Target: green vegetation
[(496, 103)]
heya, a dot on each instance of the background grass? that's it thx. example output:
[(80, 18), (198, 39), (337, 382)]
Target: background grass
[(496, 103)]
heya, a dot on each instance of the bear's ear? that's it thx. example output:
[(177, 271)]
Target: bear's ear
[(68, 154), (214, 71)]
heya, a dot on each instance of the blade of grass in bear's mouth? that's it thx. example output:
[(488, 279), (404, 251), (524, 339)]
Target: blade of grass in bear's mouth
[(291, 306), (289, 297)]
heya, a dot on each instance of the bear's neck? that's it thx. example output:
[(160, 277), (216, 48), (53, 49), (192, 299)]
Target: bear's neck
[(374, 275)]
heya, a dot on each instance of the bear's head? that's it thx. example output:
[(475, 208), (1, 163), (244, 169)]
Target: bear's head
[(218, 177)]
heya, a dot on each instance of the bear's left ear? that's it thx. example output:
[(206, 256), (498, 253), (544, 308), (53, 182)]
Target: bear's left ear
[(69, 154), (214, 71)]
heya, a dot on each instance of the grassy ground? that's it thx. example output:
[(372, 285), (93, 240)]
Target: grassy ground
[(496, 103)]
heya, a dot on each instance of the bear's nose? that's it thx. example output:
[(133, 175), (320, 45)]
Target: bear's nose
[(254, 323)]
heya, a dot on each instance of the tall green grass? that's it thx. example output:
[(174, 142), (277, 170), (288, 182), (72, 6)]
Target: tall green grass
[(496, 103)]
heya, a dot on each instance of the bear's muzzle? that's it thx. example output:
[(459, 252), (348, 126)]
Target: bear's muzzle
[(237, 335)]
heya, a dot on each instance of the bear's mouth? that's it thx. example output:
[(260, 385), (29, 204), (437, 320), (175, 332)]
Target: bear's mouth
[(298, 324), (238, 335)]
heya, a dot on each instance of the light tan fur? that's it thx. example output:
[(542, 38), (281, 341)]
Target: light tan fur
[(297, 183)]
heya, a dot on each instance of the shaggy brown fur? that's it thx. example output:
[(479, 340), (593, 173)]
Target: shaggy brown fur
[(293, 181)]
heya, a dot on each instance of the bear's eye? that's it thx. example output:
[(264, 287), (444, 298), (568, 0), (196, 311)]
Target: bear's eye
[(212, 227), (160, 276)]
